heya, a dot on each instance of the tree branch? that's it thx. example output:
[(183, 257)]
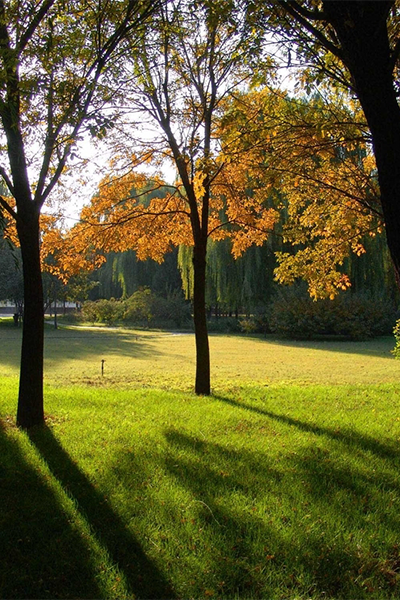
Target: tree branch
[(292, 8), (7, 180), (44, 9), (8, 208), (314, 15)]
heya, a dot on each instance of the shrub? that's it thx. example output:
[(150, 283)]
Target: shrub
[(248, 325), (89, 312), (172, 311), (103, 311), (144, 307), (257, 323), (396, 333), (294, 314), (139, 307), (223, 325)]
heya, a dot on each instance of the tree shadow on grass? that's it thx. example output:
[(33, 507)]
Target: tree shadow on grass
[(142, 576), (254, 555), (66, 344), (77, 343), (33, 564), (379, 346), (349, 437)]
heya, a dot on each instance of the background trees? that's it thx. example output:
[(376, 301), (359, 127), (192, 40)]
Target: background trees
[(11, 281), (122, 274)]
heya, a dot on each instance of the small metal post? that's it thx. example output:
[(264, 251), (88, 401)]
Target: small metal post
[(102, 366)]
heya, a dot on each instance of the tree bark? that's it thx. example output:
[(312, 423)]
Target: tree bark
[(30, 399), (202, 384), (385, 129)]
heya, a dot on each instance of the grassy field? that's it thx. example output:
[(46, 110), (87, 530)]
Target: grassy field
[(167, 360), (283, 484)]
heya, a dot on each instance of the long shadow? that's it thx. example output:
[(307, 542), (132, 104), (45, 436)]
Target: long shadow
[(85, 342), (348, 437), (208, 537), (380, 346), (329, 564), (32, 563), (63, 344), (142, 575)]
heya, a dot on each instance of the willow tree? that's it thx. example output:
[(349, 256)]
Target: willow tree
[(195, 54), (53, 60), (234, 285)]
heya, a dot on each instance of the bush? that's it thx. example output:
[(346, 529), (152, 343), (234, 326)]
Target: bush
[(173, 311), (257, 323), (142, 308), (294, 314), (89, 312), (223, 325), (139, 307), (248, 325), (103, 311), (396, 333)]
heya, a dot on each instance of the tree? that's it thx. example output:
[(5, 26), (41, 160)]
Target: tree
[(357, 44), (233, 286), (122, 274), (313, 156), (53, 60), (193, 56)]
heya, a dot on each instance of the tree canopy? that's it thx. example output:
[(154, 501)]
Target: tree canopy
[(311, 159), (355, 45)]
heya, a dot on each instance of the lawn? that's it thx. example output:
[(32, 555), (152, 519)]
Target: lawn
[(283, 484), (167, 360)]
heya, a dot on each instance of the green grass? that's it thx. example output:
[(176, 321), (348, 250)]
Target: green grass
[(284, 484)]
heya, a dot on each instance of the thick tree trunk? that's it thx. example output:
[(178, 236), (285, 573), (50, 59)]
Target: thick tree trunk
[(385, 129), (383, 117), (30, 400), (202, 385)]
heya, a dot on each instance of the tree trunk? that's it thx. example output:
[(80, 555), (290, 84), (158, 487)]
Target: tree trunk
[(202, 385), (386, 141), (30, 400), (383, 117)]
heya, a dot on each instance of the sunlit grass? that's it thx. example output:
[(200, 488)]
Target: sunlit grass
[(270, 488), (163, 359)]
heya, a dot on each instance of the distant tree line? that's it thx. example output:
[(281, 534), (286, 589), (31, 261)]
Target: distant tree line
[(241, 294), (233, 286)]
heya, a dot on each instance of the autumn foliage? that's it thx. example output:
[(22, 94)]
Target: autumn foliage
[(133, 212), (305, 164), (311, 159)]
